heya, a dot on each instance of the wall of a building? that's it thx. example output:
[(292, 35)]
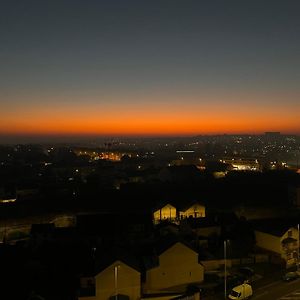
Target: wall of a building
[(268, 242), (166, 212), (177, 266), (197, 209), (128, 282)]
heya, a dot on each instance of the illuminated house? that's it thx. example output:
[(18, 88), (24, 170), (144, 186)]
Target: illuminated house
[(177, 265), (196, 211), (280, 240), (165, 213), (170, 213), (117, 279)]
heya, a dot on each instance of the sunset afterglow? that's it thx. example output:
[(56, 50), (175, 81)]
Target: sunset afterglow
[(150, 71), (158, 117)]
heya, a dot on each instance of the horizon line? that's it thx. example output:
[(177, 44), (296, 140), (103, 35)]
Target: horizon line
[(8, 139)]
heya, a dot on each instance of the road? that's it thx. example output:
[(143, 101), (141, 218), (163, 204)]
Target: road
[(279, 290)]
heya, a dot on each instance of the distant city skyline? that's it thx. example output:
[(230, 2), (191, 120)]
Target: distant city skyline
[(157, 68), (96, 140)]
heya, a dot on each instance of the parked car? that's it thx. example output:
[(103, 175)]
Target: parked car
[(289, 276), (243, 291)]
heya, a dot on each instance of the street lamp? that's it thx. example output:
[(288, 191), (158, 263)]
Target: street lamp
[(298, 248), (116, 269), (225, 269)]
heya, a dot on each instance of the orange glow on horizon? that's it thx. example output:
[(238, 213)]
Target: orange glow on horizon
[(147, 125), (169, 116)]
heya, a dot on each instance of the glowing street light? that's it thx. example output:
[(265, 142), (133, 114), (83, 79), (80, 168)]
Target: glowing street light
[(116, 270), (225, 268)]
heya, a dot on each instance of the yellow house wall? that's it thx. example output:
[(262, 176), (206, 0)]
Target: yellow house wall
[(268, 242), (199, 209), (166, 212), (178, 265), (273, 243), (129, 282)]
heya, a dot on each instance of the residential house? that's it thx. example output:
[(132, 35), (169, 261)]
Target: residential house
[(196, 210), (171, 213), (118, 279), (177, 265), (279, 238), (165, 213)]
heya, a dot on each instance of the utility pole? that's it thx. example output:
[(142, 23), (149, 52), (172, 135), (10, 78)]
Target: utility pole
[(298, 248), (225, 271), (116, 280)]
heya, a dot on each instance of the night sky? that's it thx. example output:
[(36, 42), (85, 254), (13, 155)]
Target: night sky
[(149, 67)]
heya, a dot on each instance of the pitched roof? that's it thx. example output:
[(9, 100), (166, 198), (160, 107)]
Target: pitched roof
[(107, 258), (164, 244), (181, 205), (161, 205), (150, 256)]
